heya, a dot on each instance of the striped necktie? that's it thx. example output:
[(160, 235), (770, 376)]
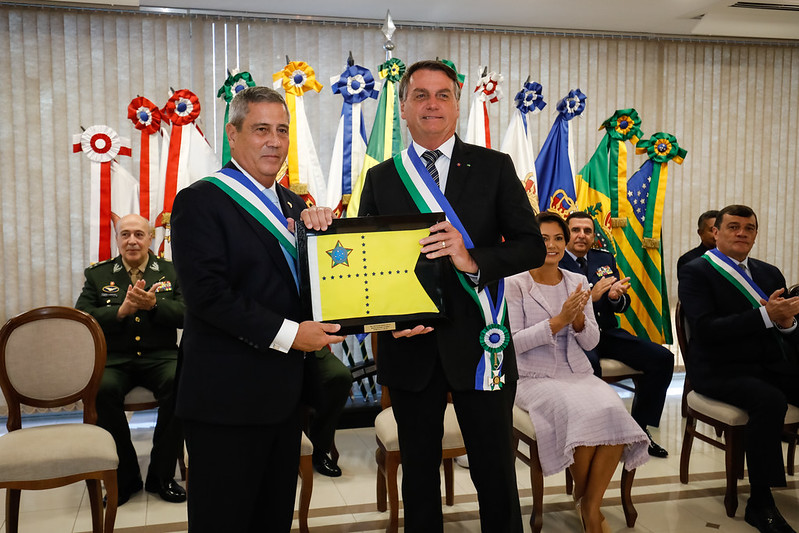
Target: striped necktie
[(272, 195), (430, 157)]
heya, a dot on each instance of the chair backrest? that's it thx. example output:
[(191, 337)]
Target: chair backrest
[(50, 357)]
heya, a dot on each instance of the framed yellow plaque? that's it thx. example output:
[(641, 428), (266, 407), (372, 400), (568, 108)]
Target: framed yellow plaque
[(368, 273)]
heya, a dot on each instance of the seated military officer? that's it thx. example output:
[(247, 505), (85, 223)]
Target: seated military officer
[(136, 299)]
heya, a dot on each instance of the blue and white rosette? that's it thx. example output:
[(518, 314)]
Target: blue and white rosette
[(531, 98), (572, 105)]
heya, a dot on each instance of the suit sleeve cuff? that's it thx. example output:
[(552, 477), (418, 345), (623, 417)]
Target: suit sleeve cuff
[(766, 320), (788, 330), (474, 278), (285, 336)]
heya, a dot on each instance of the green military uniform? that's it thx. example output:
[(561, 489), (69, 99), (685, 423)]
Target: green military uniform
[(142, 350)]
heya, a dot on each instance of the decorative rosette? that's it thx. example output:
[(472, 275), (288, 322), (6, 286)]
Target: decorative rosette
[(489, 85), (182, 108), (572, 105), (100, 143), (298, 78), (530, 98), (355, 84), (235, 83), (625, 124), (661, 148), (494, 338), (393, 69), (461, 77), (145, 115)]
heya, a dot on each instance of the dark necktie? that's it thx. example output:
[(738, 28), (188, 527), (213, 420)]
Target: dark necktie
[(430, 157), (583, 265)]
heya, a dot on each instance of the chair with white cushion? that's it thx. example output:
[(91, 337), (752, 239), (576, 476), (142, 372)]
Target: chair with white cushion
[(388, 458), (51, 357), (524, 431), (728, 423)]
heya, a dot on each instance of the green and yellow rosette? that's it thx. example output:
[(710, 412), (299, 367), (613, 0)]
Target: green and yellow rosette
[(392, 70), (660, 149), (461, 77), (624, 125)]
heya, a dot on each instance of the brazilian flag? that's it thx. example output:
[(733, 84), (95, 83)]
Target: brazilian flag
[(386, 137)]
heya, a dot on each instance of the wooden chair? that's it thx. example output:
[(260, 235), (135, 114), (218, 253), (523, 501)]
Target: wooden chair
[(51, 357), (524, 431), (143, 399), (728, 423), (388, 458)]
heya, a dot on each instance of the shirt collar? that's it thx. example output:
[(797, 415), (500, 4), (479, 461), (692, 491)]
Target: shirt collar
[(140, 267), (445, 148), (257, 184)]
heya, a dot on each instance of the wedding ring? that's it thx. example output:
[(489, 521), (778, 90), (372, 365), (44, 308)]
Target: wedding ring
[(443, 244)]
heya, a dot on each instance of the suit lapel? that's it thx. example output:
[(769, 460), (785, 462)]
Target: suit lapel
[(538, 296), (459, 169), (269, 241)]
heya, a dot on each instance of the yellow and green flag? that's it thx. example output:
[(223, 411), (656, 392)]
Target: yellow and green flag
[(638, 244), (386, 137), (602, 181)]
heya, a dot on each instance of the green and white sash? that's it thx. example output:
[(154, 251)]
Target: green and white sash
[(253, 200), (494, 337), (736, 276)]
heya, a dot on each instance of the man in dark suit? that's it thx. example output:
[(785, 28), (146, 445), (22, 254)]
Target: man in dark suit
[(422, 364), (609, 294), (136, 299), (245, 336), (704, 228), (742, 349)]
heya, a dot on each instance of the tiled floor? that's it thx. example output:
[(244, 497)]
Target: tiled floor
[(347, 504)]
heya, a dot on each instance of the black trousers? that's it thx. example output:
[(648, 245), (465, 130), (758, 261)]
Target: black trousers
[(765, 397), (334, 382), (242, 478), (655, 361), (157, 375), (486, 422)]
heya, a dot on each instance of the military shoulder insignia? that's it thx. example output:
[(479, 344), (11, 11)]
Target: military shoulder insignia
[(95, 265), (604, 270)]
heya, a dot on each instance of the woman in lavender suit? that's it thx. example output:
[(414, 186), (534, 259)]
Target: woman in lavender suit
[(580, 422)]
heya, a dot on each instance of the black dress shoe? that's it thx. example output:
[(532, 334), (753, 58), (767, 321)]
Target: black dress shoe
[(168, 489), (655, 449), (766, 519), (325, 466), (124, 493)]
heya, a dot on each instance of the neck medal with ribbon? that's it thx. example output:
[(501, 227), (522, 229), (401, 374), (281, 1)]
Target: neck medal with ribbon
[(494, 337), (730, 271), (101, 144), (245, 193), (235, 83)]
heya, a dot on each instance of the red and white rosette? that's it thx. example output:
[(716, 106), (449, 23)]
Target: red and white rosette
[(488, 90), (182, 109), (146, 118), (101, 145)]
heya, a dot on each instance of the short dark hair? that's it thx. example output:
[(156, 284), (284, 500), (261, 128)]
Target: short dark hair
[(578, 214), (549, 216), (240, 105), (736, 210), (428, 64), (713, 213)]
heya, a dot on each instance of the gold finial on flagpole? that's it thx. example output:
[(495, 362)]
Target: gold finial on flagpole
[(388, 30)]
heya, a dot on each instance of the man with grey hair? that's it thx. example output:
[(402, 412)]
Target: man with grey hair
[(490, 233), (245, 335)]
